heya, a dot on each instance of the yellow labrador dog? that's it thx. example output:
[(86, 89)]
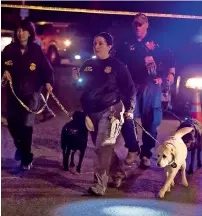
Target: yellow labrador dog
[(172, 156)]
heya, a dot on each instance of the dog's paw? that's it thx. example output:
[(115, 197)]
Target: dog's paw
[(185, 183), (161, 194), (168, 189), (173, 184)]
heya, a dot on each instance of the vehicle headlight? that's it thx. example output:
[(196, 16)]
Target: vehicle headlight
[(77, 57), (5, 41), (67, 43), (195, 82)]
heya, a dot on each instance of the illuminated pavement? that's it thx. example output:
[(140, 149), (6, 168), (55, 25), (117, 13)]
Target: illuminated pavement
[(48, 190), (127, 207)]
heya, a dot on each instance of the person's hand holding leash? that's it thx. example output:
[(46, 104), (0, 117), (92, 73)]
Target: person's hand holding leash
[(170, 79), (7, 75), (128, 115), (49, 87), (158, 81)]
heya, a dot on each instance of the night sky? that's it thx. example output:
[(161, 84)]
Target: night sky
[(175, 32)]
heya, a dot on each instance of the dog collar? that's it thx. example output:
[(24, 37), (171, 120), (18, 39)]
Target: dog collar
[(173, 164)]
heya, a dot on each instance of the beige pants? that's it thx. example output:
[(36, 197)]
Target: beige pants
[(104, 138)]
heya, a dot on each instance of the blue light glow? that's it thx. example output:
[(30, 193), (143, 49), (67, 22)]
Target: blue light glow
[(80, 80), (132, 210), (127, 207)]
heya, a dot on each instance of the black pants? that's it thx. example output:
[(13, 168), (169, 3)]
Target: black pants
[(129, 132), (22, 136), (20, 123)]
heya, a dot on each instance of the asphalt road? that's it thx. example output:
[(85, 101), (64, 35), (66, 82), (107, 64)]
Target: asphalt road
[(47, 190)]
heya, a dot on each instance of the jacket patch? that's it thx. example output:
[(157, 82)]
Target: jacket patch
[(32, 67), (88, 69), (108, 69), (9, 63), (132, 47)]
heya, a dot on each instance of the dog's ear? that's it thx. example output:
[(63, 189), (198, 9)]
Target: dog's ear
[(159, 148), (173, 151)]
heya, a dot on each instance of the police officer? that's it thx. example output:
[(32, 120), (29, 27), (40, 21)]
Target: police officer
[(149, 66), (104, 81), (47, 114), (25, 63)]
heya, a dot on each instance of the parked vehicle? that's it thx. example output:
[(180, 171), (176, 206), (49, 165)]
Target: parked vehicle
[(189, 70), (6, 38), (64, 41)]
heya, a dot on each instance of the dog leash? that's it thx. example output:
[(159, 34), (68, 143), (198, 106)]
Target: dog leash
[(160, 110), (146, 131), (3, 84), (165, 110)]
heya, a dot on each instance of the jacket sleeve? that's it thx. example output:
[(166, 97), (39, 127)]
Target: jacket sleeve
[(6, 63), (46, 69), (127, 88)]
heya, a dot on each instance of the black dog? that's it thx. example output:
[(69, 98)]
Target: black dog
[(193, 141), (74, 137)]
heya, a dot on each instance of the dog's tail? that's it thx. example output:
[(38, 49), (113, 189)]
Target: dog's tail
[(181, 132)]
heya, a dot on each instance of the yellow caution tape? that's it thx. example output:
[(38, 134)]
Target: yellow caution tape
[(110, 12)]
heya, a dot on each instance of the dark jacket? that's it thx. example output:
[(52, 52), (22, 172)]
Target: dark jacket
[(105, 83), (29, 71), (133, 54)]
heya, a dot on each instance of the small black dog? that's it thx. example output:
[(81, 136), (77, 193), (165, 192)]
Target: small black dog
[(74, 137), (193, 141)]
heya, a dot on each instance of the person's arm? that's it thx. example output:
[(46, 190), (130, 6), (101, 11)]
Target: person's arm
[(6, 63), (171, 76), (47, 72), (171, 69), (127, 88), (169, 63), (78, 75)]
